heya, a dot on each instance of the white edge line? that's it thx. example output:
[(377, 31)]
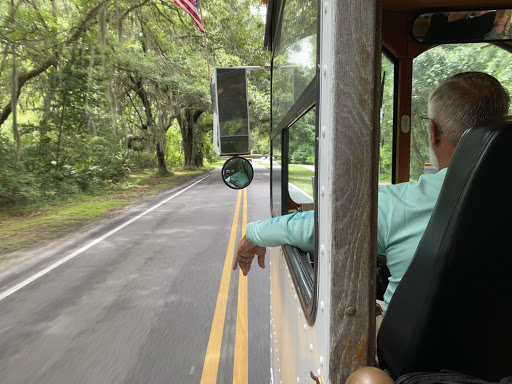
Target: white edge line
[(301, 191), (43, 272)]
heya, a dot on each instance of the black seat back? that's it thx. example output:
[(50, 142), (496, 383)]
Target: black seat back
[(453, 308)]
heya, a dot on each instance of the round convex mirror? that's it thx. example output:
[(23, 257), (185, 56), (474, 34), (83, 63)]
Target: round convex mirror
[(237, 172)]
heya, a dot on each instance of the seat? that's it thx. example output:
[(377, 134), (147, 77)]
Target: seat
[(453, 310)]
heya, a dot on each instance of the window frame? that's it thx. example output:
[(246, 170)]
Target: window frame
[(304, 276), (394, 149)]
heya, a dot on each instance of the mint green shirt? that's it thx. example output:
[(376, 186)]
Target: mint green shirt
[(297, 229), (403, 214)]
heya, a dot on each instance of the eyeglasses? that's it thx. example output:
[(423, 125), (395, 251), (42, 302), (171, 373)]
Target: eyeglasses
[(426, 118)]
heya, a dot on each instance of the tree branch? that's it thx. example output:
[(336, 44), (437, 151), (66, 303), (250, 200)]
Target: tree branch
[(197, 114), (51, 61), (22, 79), (83, 25), (142, 125), (133, 8)]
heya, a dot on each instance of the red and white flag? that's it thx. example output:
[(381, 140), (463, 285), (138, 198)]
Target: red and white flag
[(190, 6)]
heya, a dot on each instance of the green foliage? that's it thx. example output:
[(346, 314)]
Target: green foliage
[(428, 70), (105, 164), (386, 125), (207, 143), (108, 81), (301, 177), (439, 63), (302, 140), (261, 145), (174, 150), (57, 218), (142, 160), (303, 154), (35, 178), (17, 184), (259, 110)]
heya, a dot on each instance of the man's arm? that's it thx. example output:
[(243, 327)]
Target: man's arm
[(297, 229)]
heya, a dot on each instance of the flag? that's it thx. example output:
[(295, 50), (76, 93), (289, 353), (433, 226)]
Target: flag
[(190, 6)]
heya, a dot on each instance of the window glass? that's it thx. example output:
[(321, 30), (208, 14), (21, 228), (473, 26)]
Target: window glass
[(437, 64), (294, 95), (276, 163), (295, 59), (386, 122), (301, 159)]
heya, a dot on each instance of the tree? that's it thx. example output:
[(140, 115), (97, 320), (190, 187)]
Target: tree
[(187, 122), (21, 28), (91, 89), (440, 63)]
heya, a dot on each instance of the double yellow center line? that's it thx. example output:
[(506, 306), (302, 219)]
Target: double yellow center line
[(211, 362)]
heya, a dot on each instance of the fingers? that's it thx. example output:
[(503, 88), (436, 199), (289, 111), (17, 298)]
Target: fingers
[(244, 255), (261, 261), (236, 260), (245, 262), (245, 265), (260, 251), (242, 249)]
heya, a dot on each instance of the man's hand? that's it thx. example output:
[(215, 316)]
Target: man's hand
[(245, 253)]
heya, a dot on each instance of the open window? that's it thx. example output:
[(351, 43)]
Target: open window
[(484, 57), (294, 131)]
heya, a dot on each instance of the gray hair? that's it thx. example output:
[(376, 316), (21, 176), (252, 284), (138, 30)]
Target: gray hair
[(463, 100)]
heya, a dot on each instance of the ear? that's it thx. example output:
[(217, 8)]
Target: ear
[(435, 133)]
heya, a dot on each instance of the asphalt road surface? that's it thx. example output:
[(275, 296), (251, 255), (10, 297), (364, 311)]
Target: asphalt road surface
[(148, 297)]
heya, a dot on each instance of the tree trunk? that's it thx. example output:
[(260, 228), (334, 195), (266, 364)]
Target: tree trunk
[(198, 149), (113, 106), (198, 159), (187, 145), (187, 135), (14, 103), (187, 123), (416, 150), (138, 88), (44, 124), (90, 68), (160, 155)]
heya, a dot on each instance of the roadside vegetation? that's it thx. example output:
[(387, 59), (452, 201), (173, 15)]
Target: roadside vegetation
[(22, 226), (301, 177), (102, 101), (105, 102)]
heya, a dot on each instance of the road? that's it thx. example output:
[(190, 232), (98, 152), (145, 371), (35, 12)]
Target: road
[(148, 297)]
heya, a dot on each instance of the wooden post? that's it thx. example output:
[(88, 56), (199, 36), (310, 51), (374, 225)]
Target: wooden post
[(356, 30)]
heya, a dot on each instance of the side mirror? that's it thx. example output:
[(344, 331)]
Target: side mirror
[(237, 172)]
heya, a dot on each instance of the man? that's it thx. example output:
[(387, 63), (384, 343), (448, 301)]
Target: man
[(403, 209), (238, 180)]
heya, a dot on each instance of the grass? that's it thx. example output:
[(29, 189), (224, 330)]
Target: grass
[(53, 221), (301, 177), (266, 164), (22, 227)]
